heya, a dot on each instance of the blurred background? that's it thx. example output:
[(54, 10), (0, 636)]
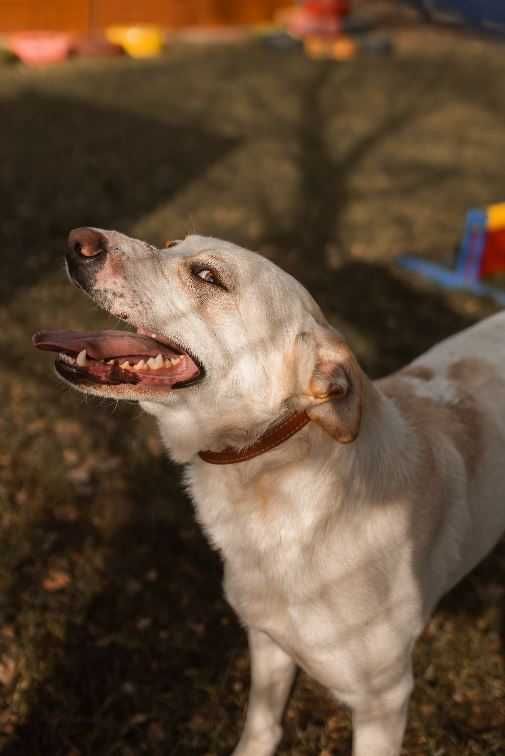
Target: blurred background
[(331, 136)]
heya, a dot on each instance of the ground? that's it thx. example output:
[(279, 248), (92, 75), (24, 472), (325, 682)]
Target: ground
[(115, 638)]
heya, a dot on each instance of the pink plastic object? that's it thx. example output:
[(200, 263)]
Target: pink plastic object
[(321, 17), (38, 48)]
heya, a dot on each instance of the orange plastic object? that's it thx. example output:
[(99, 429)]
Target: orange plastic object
[(341, 48), (496, 217), (39, 48), (138, 41)]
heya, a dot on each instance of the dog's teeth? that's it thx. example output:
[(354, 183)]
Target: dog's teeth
[(140, 365), (81, 358), (67, 358), (155, 363), (124, 365), (110, 362), (175, 360)]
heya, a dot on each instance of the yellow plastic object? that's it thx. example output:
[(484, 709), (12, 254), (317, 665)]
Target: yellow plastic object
[(138, 41), (496, 217)]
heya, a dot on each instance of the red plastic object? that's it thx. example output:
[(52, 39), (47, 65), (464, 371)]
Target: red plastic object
[(318, 17), (339, 8), (493, 259), (38, 48)]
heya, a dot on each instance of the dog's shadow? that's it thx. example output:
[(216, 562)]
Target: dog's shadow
[(154, 642)]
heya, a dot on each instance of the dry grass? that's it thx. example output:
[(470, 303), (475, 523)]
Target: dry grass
[(114, 637)]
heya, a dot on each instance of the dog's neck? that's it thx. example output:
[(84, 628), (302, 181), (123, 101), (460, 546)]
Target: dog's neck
[(343, 480), (277, 434), (375, 456)]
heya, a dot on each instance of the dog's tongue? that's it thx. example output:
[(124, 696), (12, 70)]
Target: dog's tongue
[(99, 345)]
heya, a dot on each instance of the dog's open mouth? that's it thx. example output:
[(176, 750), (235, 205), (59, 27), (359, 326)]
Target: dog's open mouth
[(110, 358)]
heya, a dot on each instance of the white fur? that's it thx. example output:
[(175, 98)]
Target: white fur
[(335, 554)]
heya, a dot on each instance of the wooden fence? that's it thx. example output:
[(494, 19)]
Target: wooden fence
[(88, 15)]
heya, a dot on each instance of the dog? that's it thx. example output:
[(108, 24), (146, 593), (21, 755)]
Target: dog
[(343, 508)]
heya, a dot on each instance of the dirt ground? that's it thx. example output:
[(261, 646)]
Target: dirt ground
[(114, 635)]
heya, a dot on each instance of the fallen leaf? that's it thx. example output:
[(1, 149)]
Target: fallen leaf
[(144, 623), (80, 475), (70, 456), (155, 732), (138, 719), (55, 580), (68, 428), (155, 446), (7, 670)]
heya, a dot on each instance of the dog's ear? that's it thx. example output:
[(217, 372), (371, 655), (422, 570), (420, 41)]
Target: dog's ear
[(335, 388)]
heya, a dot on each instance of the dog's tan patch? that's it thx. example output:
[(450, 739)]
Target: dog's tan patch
[(471, 372), (264, 490), (472, 376), (422, 372), (467, 431), (460, 419)]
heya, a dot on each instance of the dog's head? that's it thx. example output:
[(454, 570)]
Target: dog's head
[(225, 342)]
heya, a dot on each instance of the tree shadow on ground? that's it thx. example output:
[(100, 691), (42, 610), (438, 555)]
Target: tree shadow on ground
[(155, 640), (78, 163), (153, 650)]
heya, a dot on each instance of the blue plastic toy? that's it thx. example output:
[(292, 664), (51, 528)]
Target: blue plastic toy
[(477, 255), (485, 15)]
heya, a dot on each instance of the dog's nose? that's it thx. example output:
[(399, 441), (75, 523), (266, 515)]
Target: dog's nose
[(86, 243)]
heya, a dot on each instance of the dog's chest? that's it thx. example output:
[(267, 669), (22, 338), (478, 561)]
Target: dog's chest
[(295, 570), (263, 520)]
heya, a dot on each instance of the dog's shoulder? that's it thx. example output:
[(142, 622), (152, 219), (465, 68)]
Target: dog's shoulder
[(451, 401)]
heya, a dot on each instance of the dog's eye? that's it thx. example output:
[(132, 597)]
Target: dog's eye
[(206, 275), (204, 272)]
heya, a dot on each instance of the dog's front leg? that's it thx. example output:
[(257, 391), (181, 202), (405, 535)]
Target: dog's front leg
[(379, 719), (272, 675)]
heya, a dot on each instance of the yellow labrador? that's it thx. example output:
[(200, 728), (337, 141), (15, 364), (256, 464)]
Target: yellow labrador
[(343, 509)]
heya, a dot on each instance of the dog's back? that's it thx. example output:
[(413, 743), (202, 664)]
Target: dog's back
[(457, 390)]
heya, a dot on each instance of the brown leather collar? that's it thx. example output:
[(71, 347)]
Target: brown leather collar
[(269, 440)]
